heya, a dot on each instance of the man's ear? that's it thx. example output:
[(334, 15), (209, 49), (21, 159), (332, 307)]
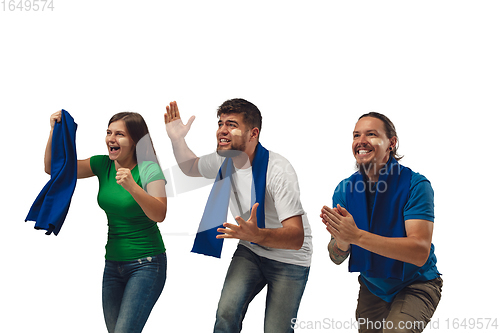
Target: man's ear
[(254, 133), (394, 142)]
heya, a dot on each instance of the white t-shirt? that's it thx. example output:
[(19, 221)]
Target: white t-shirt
[(282, 201)]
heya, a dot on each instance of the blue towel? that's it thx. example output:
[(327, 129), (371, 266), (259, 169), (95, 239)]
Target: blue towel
[(51, 206), (215, 213), (386, 218)]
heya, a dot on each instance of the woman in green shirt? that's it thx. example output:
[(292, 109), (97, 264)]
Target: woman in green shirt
[(132, 193)]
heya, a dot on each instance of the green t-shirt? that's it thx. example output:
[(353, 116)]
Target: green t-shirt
[(131, 234)]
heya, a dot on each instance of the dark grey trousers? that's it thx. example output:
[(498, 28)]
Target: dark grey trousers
[(410, 311)]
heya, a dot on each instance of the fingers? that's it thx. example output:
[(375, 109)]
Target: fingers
[(228, 232), (168, 114), (190, 121), (329, 219), (334, 232), (331, 213), (336, 219), (328, 209), (172, 112), (119, 178), (337, 212), (253, 214), (168, 118), (244, 229), (330, 227), (228, 228), (342, 211), (122, 174), (55, 117), (175, 110), (122, 170), (239, 219)]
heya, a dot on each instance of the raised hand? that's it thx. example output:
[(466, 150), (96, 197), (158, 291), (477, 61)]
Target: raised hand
[(55, 117), (176, 130)]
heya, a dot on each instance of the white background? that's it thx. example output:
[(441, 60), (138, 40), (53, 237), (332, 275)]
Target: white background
[(312, 68)]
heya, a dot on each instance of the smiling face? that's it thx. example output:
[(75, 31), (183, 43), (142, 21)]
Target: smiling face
[(120, 145), (370, 145)]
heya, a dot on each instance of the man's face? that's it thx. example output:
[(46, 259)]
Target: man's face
[(232, 134), (370, 144)]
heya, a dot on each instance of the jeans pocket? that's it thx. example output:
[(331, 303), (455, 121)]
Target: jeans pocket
[(156, 258), (154, 263)]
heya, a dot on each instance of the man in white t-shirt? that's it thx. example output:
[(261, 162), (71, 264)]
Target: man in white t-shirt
[(278, 254)]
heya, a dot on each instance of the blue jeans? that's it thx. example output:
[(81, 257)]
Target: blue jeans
[(247, 275), (130, 289)]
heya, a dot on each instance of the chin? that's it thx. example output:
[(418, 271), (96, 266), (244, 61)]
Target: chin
[(229, 152), (363, 167)]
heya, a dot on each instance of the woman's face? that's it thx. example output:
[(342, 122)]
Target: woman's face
[(120, 145)]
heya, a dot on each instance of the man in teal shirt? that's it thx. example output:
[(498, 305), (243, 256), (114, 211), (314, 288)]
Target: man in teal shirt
[(383, 216)]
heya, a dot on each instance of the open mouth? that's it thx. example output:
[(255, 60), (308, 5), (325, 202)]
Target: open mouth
[(224, 142), (363, 151), (113, 149)]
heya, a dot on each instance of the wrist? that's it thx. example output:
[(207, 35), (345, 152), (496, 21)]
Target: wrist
[(337, 255), (341, 247), (178, 141), (133, 188), (358, 238), (260, 236)]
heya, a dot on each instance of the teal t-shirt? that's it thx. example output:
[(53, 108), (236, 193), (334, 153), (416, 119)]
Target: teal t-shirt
[(131, 234), (420, 205)]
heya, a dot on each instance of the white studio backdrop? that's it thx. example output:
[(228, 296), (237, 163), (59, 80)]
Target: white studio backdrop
[(312, 68)]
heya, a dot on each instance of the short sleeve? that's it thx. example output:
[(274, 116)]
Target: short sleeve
[(209, 165), (420, 205), (283, 186), (98, 164), (339, 194), (150, 172)]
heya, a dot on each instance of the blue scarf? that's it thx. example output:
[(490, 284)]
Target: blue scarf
[(215, 213), (393, 189), (51, 206)]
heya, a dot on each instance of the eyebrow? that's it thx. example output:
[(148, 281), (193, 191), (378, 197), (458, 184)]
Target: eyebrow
[(229, 121), (368, 131), (118, 131)]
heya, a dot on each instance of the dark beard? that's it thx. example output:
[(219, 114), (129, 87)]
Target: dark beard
[(229, 153), (235, 151), (365, 168)]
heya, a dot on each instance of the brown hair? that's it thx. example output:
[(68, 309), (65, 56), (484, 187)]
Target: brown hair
[(251, 114), (390, 131), (137, 128)]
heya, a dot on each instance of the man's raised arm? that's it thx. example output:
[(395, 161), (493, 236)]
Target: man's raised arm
[(177, 131)]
